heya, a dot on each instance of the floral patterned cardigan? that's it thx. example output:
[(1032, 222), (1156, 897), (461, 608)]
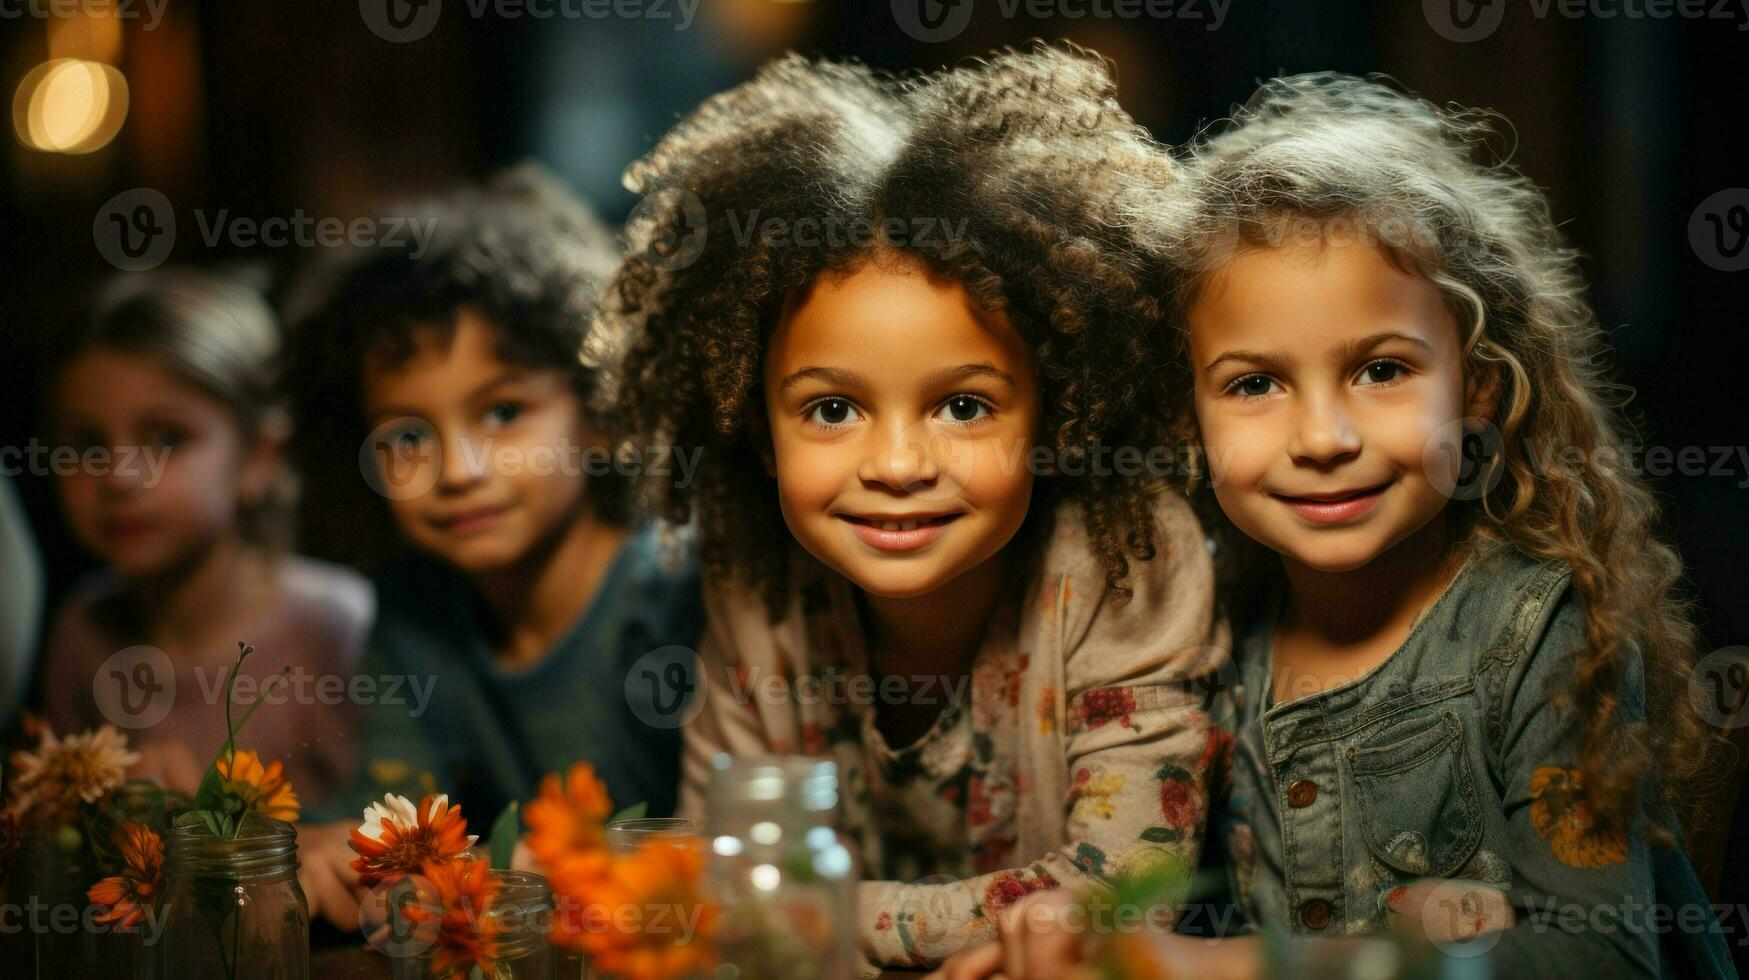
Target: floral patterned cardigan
[(1082, 746)]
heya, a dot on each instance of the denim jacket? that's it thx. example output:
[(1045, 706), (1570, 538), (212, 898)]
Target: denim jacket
[(1448, 760)]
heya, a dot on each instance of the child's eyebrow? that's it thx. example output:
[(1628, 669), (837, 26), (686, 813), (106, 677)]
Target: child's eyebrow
[(1342, 352), (511, 376), (842, 378), (1255, 358), (1355, 348)]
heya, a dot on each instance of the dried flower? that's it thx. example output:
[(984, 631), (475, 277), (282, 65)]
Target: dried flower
[(397, 838), (62, 774), (263, 789), (126, 896)]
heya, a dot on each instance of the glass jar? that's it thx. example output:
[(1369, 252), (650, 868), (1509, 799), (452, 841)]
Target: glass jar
[(624, 836), (232, 907), (519, 917), (784, 881)]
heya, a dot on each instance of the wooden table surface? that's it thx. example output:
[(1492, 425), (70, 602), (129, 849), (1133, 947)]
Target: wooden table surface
[(362, 963)]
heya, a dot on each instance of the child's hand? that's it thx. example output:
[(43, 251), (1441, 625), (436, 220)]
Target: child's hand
[(1449, 909), (1037, 941), (325, 872), (1034, 939)]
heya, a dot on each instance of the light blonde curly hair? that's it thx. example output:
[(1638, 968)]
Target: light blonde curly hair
[(1322, 151)]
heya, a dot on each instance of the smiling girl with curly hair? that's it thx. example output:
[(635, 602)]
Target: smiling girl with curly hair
[(903, 323)]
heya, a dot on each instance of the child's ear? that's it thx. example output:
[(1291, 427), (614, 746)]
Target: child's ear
[(759, 431), (1482, 390)]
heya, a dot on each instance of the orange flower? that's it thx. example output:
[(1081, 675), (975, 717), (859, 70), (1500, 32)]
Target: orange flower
[(567, 823), (263, 789), (467, 935), (1561, 816), (127, 895), (646, 918), (397, 839)]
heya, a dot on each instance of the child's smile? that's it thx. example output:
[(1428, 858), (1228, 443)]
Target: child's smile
[(900, 417), (489, 439), (1326, 378)]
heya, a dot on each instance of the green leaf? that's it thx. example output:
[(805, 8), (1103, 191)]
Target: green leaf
[(634, 812), (505, 830), (1162, 835)]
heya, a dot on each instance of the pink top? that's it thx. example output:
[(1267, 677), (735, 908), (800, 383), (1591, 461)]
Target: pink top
[(172, 708)]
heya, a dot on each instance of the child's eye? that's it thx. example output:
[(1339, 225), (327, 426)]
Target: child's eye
[(831, 413), (165, 436), (504, 413), (1251, 386), (1383, 372), (964, 409), (407, 437)]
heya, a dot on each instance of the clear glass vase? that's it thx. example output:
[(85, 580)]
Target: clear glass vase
[(624, 837), (514, 925), (232, 907), (784, 881)]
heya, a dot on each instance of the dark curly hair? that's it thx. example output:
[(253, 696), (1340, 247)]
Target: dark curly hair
[(1006, 174), (521, 251)]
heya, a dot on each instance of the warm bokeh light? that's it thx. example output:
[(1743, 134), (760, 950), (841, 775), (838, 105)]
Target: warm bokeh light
[(89, 37), (69, 105)]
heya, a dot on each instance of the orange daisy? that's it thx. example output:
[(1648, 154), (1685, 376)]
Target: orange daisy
[(264, 789), (126, 896), (567, 822), (397, 838), (658, 892), (467, 935)]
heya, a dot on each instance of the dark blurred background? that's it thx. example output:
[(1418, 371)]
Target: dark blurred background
[(1630, 112)]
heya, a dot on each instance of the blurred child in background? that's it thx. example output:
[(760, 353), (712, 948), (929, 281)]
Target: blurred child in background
[(164, 387), (528, 588)]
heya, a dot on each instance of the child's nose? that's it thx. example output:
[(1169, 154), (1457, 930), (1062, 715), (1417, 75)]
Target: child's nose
[(462, 462), (1326, 432), (903, 457)]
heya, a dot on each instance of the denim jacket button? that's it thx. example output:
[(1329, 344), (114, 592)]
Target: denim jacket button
[(1315, 913), (1301, 793)]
